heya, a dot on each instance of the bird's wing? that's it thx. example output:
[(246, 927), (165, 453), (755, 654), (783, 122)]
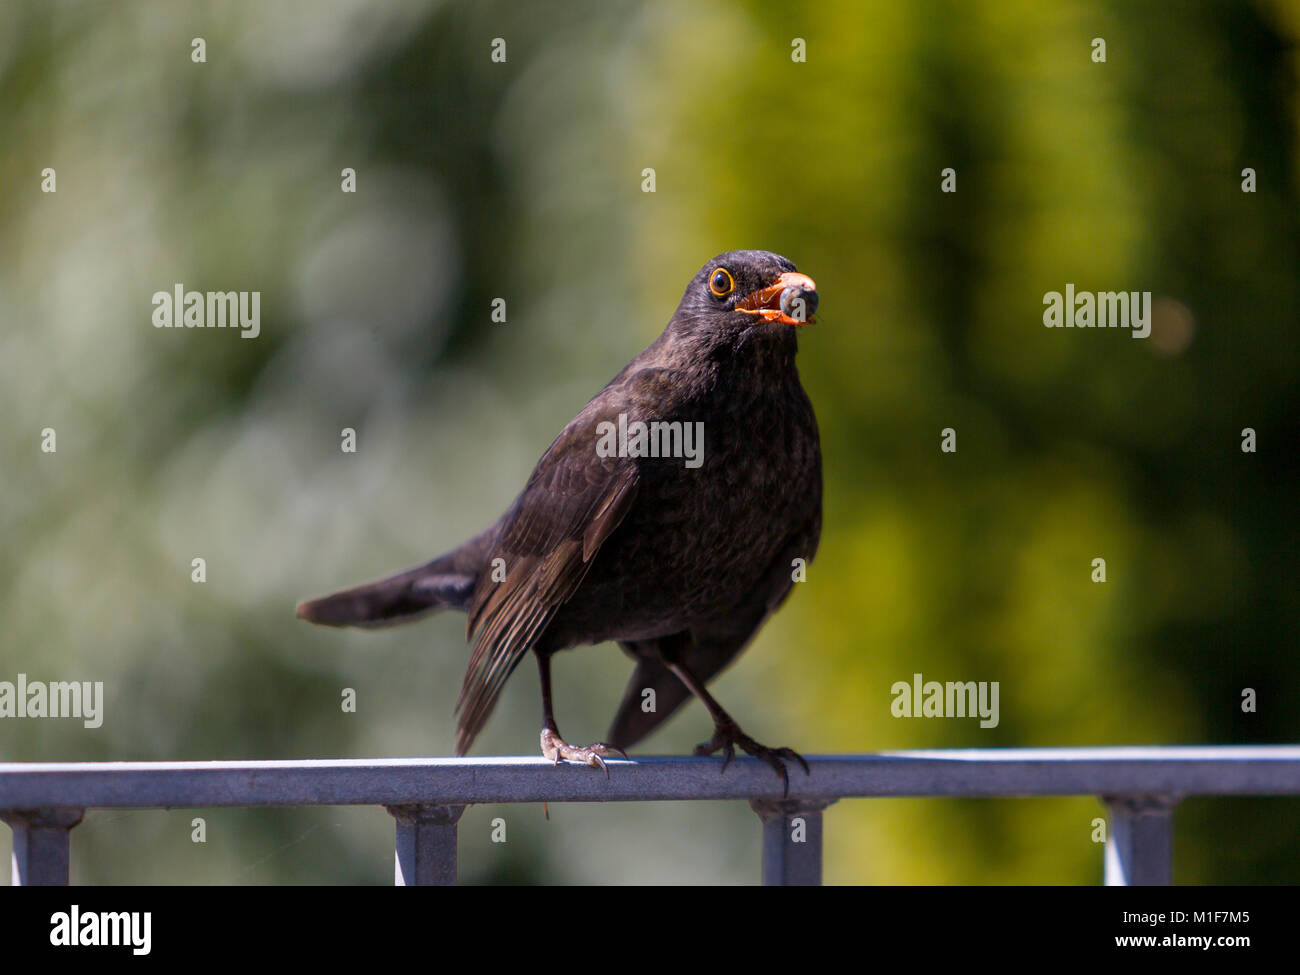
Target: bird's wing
[(573, 501)]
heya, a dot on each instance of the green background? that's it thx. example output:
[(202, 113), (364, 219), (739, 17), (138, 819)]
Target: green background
[(522, 180)]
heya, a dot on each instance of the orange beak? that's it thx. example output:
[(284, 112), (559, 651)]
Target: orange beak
[(772, 305)]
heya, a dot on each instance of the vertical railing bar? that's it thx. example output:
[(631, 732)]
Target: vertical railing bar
[(425, 849), (792, 841), (42, 845), (1139, 841)]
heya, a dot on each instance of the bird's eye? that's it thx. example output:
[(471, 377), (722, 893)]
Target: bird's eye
[(721, 283)]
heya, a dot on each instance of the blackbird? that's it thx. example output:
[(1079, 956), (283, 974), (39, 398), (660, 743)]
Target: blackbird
[(667, 516)]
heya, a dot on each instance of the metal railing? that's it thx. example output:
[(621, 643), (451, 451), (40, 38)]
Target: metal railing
[(1141, 786)]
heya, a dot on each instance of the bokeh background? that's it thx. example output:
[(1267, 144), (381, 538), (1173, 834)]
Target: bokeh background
[(522, 180)]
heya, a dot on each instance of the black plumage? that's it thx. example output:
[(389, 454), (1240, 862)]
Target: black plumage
[(679, 564)]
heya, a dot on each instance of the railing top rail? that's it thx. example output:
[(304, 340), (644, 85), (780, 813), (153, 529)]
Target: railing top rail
[(1159, 770)]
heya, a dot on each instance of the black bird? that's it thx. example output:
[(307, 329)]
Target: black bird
[(678, 558)]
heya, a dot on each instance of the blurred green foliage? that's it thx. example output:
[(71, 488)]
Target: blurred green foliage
[(522, 180)]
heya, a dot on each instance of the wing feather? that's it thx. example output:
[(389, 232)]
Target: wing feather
[(571, 505)]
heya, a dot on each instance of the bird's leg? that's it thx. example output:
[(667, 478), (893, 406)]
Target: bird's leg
[(727, 734), (553, 746)]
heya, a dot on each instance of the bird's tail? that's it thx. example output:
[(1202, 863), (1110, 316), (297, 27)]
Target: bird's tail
[(445, 583)]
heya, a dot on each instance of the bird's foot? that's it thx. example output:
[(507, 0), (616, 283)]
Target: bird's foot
[(555, 748), (728, 737)]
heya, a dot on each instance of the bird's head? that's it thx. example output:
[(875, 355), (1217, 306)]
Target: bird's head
[(740, 290)]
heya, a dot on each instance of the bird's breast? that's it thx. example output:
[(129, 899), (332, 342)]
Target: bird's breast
[(707, 527)]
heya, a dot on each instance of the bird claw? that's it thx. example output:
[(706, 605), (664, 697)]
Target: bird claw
[(728, 736), (556, 748)]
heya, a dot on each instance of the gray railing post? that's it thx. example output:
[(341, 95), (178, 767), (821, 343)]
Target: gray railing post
[(792, 841), (42, 845), (43, 801), (426, 845), (1140, 841)]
